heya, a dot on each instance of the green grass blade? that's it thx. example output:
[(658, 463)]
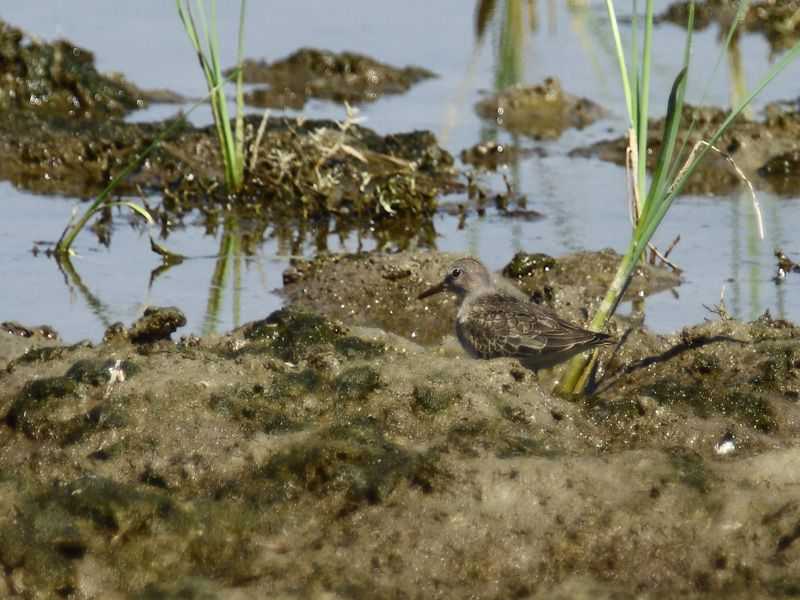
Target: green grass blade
[(635, 68), (661, 196), (623, 68), (641, 131), (649, 227), (672, 123), (687, 53), (231, 148), (690, 28), (687, 46), (194, 36), (64, 244), (776, 69), (141, 211), (240, 161), (188, 25), (226, 142)]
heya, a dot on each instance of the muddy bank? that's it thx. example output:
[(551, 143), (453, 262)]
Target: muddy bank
[(16, 339), (299, 456), (766, 150), (336, 286)]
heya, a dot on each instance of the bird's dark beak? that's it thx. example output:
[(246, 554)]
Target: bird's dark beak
[(439, 287)]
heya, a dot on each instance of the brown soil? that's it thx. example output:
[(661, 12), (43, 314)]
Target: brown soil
[(302, 457)]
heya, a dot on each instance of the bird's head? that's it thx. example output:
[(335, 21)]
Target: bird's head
[(465, 276)]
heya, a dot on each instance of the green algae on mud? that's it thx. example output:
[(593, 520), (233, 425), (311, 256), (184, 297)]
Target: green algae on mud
[(339, 77), (306, 177), (294, 331), (302, 456), (308, 168)]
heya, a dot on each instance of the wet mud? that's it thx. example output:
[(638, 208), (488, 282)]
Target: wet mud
[(63, 133), (380, 289), (490, 155), (339, 77), (776, 20), (765, 150), (344, 446), (59, 80), (304, 456), (16, 339), (542, 112)]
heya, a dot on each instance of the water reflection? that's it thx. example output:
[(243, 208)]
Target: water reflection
[(76, 287), (229, 255), (736, 78)]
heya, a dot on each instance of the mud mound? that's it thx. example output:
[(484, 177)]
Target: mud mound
[(380, 289), (340, 77), (541, 112), (301, 457)]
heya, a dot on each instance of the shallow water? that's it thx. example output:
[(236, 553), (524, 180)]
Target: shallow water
[(582, 200)]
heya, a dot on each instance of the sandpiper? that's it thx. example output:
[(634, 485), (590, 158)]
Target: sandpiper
[(490, 324)]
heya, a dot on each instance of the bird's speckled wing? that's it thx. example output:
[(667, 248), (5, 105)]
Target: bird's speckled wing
[(497, 325)]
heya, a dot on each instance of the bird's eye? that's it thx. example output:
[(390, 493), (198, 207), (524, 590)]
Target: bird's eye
[(455, 273)]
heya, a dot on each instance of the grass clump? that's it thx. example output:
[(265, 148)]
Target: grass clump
[(231, 140), (204, 40)]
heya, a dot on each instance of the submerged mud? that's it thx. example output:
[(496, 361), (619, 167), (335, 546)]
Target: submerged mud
[(490, 155), (299, 456), (765, 151)]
